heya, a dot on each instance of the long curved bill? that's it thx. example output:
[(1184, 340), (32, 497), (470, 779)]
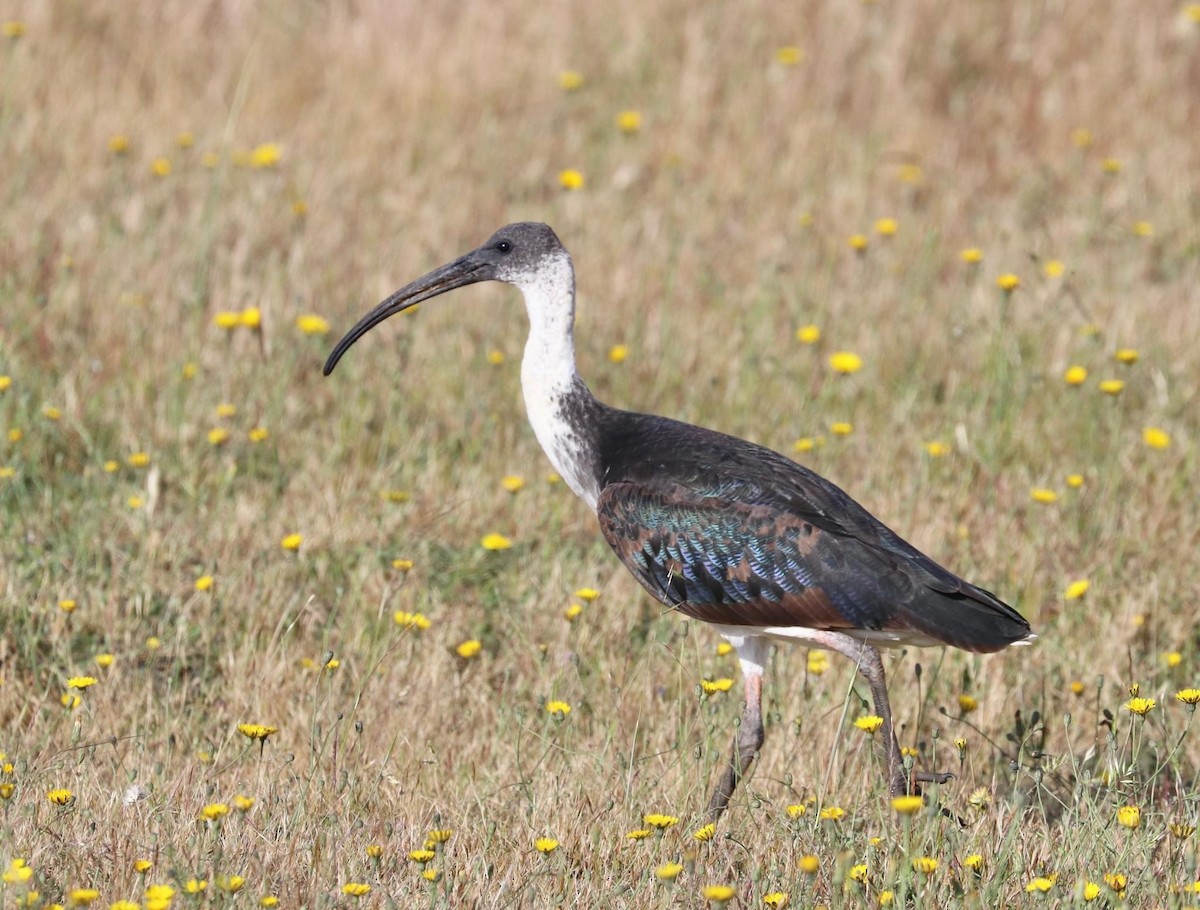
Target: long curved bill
[(462, 271)]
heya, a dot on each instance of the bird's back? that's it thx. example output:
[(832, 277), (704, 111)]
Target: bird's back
[(732, 533)]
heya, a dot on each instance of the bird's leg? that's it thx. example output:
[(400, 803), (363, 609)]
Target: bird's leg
[(748, 740), (870, 665)]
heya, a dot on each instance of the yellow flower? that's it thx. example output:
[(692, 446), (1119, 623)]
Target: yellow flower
[(400, 496), (713, 686), (1075, 375), (972, 255), (980, 798), (1156, 438), (1188, 696), (218, 436), (559, 709), (776, 899), (495, 542), (7, 789), (841, 428), (495, 358), (719, 894), (618, 353), (886, 898), (1191, 12), (258, 434), (926, 865), (1116, 881), (185, 139), (907, 805), (639, 834), (788, 55), (142, 866), (18, 871), (974, 861), (570, 179), (1074, 481), (439, 835), (356, 889), (936, 449), (705, 832), (797, 810), (629, 122), (243, 803), (118, 144), (13, 29), (1089, 891), (858, 242), (809, 864), (1008, 282), (214, 811), (421, 857), (1140, 706), (60, 796), (266, 155), (417, 622), (124, 905), (104, 661), (16, 434), (204, 583), (661, 822), (545, 845), (833, 813), (858, 873), (292, 541), (1076, 589), (468, 649), (1126, 355), (195, 885), (668, 872), (81, 682), (256, 731), (724, 648), (845, 362), (226, 410), (161, 167), (886, 227), (1182, 830), (268, 901), (1172, 659), (512, 482), (1112, 386), (1053, 268), (138, 459), (909, 173), (570, 80), (70, 701), (817, 662), (868, 723), (231, 883), (804, 444), (227, 319), (1111, 165), (311, 324), (1042, 495), (68, 605), (332, 664), (189, 370), (1039, 885), (50, 412), (1142, 229), (5, 383), (84, 896), (967, 704), (808, 334), (403, 565), (1129, 816)]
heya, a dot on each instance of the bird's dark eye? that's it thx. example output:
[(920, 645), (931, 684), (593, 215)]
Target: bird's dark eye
[(504, 246)]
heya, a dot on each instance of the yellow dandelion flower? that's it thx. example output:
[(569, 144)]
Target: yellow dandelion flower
[(138, 459), (311, 324), (403, 565), (1074, 481), (226, 410), (244, 803), (195, 885), (153, 643), (570, 80), (258, 434), (629, 122), (227, 319), (804, 444), (104, 661), (1039, 885), (1140, 706), (1089, 891), (910, 173), (83, 896), (845, 362), (841, 428), (356, 889), (1075, 375), (1172, 659), (268, 901), (974, 861), (724, 649), (777, 899), (809, 864), (980, 798), (719, 894), (5, 383), (50, 412), (7, 789), (60, 796), (926, 865), (907, 805), (639, 834), (886, 227), (572, 613), (1129, 816), (231, 883), (1008, 282), (142, 866), (439, 835), (512, 483), (1111, 165), (971, 255), (618, 353), (13, 29), (161, 167), (81, 682), (833, 813), (495, 542), (570, 179), (67, 605), (395, 496), (936, 449), (967, 704), (705, 832), (1182, 830), (858, 242), (416, 622), (1053, 268), (1042, 495), (291, 541), (788, 55), (421, 857), (796, 810), (668, 872), (118, 144), (16, 434), (70, 701), (1156, 438), (185, 139), (218, 436), (1128, 356), (1112, 386), (817, 662), (189, 370), (1117, 881), (808, 334), (332, 664), (858, 873), (1076, 589), (868, 723), (659, 821), (1188, 696), (886, 898), (269, 154), (1191, 12), (1142, 229), (204, 583), (256, 731), (468, 649), (559, 709), (214, 812), (713, 686), (545, 845), (18, 871)]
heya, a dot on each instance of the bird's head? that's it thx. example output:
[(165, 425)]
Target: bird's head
[(527, 255)]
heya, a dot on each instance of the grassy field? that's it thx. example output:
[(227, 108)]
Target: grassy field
[(198, 198)]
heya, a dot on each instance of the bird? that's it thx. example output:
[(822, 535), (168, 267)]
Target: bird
[(715, 527)]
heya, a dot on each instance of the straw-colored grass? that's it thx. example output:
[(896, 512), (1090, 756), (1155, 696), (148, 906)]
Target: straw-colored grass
[(335, 151)]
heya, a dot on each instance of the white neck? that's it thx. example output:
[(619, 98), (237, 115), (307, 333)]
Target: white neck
[(548, 372)]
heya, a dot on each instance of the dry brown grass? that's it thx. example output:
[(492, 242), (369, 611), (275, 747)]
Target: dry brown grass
[(409, 132)]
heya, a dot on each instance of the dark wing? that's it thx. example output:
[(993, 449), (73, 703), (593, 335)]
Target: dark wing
[(741, 551)]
